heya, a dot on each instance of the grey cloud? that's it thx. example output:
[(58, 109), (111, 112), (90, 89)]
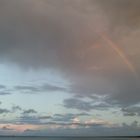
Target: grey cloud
[(77, 104), (80, 104), (2, 87), (122, 13), (29, 111), (93, 130), (39, 88), (102, 106), (27, 88), (83, 114), (68, 124), (2, 111), (4, 90), (7, 128), (67, 117), (129, 114), (5, 93), (58, 119), (48, 87), (131, 111), (29, 130), (63, 36), (28, 120), (33, 119), (44, 117), (16, 108), (134, 125)]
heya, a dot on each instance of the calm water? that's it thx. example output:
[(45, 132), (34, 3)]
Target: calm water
[(63, 138)]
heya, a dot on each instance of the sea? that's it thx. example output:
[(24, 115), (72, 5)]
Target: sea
[(68, 138)]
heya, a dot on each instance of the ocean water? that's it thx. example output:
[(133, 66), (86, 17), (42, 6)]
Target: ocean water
[(64, 138)]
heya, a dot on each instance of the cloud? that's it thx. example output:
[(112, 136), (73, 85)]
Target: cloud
[(76, 103), (41, 88), (48, 87), (16, 108), (7, 128), (4, 90), (2, 87), (5, 93), (27, 88), (29, 130), (33, 119), (74, 123), (122, 13), (129, 114), (58, 119), (131, 111), (67, 117), (3, 111), (32, 125), (37, 119), (133, 125), (28, 120), (82, 114), (29, 111), (44, 117), (102, 106), (14, 129), (61, 129), (65, 37)]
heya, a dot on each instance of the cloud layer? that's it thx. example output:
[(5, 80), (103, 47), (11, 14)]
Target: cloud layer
[(91, 44), (65, 36)]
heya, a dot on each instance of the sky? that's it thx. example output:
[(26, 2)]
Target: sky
[(70, 67)]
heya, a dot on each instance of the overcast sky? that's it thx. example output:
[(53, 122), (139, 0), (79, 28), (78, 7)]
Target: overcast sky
[(70, 67)]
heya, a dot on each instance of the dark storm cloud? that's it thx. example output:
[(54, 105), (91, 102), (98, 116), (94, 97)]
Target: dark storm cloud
[(122, 13), (64, 36)]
